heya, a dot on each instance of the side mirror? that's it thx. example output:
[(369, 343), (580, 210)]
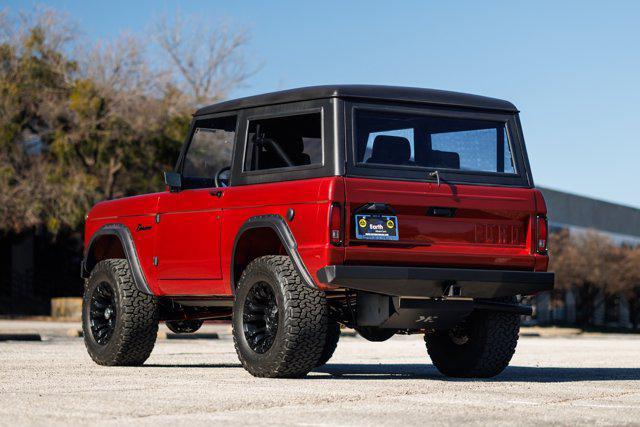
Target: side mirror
[(173, 181)]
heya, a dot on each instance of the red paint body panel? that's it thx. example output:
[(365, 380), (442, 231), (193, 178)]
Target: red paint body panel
[(188, 239), (194, 240), (310, 200), (131, 212)]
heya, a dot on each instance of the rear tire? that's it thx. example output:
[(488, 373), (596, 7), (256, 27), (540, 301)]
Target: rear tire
[(279, 323), (330, 343), (480, 348), (119, 322)]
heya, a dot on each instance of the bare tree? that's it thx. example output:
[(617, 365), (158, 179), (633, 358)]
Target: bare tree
[(120, 66), (207, 60), (592, 264), (60, 31), (630, 270)]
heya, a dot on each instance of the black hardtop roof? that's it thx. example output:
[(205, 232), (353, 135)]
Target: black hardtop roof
[(367, 92)]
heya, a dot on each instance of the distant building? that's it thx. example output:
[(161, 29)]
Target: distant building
[(578, 214)]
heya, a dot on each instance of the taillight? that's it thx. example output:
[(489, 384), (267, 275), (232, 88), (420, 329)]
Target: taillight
[(335, 224), (542, 234)]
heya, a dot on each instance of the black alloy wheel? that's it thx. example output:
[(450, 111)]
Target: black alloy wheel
[(102, 314), (119, 323), (279, 322), (260, 317)]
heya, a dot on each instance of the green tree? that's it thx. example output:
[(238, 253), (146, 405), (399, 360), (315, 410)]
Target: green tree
[(83, 122)]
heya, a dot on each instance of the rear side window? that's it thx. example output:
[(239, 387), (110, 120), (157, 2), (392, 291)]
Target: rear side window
[(284, 142), (404, 139)]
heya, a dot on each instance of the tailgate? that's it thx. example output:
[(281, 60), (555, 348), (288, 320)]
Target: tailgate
[(442, 225)]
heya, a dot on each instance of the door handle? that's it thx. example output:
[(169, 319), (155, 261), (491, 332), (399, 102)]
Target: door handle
[(443, 212), (217, 193)]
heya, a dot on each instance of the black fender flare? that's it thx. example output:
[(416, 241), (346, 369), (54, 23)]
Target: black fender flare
[(279, 225), (123, 234)]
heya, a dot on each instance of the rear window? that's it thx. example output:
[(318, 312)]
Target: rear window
[(415, 140)]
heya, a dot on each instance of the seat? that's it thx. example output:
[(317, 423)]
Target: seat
[(294, 147), (390, 150), (442, 159)]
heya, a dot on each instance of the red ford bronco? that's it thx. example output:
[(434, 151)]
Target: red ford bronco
[(384, 209)]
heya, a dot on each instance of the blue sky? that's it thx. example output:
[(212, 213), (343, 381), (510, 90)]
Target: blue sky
[(571, 67)]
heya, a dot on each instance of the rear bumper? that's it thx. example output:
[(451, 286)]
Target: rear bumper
[(436, 282)]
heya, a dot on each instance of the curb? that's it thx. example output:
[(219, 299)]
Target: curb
[(77, 333), (20, 337)]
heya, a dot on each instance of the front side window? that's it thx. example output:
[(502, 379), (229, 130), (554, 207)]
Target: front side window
[(284, 142), (210, 149), (415, 140)]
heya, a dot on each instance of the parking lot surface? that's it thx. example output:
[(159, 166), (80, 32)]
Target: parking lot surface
[(559, 380)]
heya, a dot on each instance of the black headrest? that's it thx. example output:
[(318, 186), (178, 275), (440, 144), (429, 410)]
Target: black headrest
[(392, 150), (443, 159), (294, 145)]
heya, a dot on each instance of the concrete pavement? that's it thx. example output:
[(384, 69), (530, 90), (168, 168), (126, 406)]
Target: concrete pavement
[(561, 380)]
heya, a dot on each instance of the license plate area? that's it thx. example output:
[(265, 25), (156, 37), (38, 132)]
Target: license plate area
[(376, 227)]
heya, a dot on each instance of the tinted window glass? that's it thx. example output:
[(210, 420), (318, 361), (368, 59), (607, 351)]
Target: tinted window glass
[(282, 142), (477, 149), (210, 149), (433, 142)]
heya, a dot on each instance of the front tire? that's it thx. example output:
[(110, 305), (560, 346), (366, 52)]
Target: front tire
[(120, 323), (481, 347), (279, 323)]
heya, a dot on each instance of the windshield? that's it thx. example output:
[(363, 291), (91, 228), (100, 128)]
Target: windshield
[(435, 142)]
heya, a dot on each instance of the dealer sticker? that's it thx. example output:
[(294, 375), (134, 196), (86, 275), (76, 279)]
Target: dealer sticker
[(376, 227)]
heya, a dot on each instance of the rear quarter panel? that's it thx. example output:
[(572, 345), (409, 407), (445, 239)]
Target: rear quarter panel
[(310, 199)]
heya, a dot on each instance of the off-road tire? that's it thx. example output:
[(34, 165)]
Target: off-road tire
[(491, 339), (330, 343), (136, 318), (375, 334), (302, 320), (184, 326)]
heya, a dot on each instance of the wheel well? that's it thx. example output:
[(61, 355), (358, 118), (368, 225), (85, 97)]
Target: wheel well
[(254, 243), (105, 247)]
